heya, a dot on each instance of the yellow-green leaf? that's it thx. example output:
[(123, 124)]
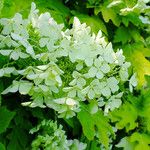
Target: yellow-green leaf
[(136, 54), (110, 14)]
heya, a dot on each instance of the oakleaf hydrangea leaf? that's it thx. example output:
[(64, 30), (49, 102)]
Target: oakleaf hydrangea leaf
[(6, 116), (119, 116), (141, 67), (89, 121), (135, 141)]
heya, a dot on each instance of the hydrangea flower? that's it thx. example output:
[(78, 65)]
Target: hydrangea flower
[(98, 73)]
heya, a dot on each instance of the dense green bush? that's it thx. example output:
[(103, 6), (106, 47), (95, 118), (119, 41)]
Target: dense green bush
[(74, 75)]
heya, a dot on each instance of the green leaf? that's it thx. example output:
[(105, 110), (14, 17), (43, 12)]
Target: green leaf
[(57, 5), (142, 67), (131, 18), (135, 33), (142, 141), (110, 14), (142, 106), (2, 147), (6, 116), (136, 54), (136, 141), (122, 35), (17, 139), (95, 145), (56, 8), (120, 117), (1, 5), (147, 78), (90, 121), (1, 89), (10, 7)]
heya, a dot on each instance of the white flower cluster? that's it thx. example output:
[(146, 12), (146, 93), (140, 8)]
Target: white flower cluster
[(51, 136), (99, 70)]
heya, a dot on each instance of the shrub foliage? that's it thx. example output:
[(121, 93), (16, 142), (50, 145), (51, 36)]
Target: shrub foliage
[(74, 75)]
